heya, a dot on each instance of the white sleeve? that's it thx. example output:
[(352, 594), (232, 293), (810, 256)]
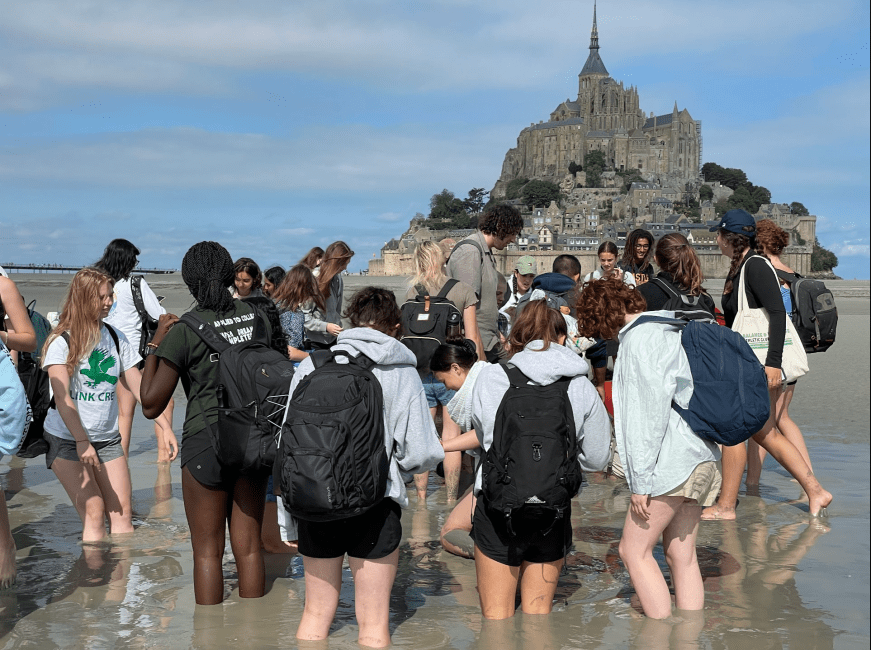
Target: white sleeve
[(629, 278), (129, 356), (57, 353), (149, 298)]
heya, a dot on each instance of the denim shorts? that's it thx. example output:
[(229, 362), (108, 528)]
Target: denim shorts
[(435, 391), (66, 449)]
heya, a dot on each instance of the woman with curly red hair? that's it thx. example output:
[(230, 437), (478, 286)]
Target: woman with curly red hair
[(671, 471)]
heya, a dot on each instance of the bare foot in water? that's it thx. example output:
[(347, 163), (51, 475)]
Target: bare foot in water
[(716, 511), (819, 502)]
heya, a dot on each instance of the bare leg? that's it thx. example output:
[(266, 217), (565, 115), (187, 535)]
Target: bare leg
[(787, 426), (246, 520), (538, 582), (83, 491), (453, 459), (679, 544), (323, 582), (206, 510), (755, 458), (126, 410), (787, 455), (734, 460), (113, 479), (270, 535), (636, 551), (460, 521), (422, 480), (497, 586), (373, 580), (7, 547)]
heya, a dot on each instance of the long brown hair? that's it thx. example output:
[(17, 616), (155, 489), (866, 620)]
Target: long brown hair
[(313, 258), (80, 316), (675, 256), (336, 259), (628, 261), (602, 307), (537, 322), (298, 287), (739, 244)]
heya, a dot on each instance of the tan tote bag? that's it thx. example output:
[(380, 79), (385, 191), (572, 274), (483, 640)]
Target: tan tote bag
[(752, 324)]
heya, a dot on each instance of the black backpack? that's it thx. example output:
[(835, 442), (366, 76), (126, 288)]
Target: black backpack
[(37, 388), (813, 311), (331, 461), (149, 324), (532, 467), (677, 299), (425, 320), (254, 382)]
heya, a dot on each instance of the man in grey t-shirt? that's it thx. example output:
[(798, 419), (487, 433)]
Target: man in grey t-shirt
[(472, 263)]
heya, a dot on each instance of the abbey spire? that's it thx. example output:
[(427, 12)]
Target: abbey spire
[(594, 65)]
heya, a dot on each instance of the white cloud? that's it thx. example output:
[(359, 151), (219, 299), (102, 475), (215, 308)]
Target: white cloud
[(192, 48)]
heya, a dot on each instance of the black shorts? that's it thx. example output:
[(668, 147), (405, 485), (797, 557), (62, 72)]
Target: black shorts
[(528, 544), (198, 455), (371, 536)]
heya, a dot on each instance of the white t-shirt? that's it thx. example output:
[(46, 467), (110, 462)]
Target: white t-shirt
[(92, 386), (123, 314)]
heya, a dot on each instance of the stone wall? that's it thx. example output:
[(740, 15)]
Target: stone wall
[(714, 265)]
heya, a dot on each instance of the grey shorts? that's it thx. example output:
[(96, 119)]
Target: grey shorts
[(66, 449)]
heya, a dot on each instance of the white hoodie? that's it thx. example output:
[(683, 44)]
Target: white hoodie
[(544, 367), (407, 420)]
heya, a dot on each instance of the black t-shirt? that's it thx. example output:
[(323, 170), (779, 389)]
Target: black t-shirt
[(763, 291), (642, 274), (197, 366), (656, 296)]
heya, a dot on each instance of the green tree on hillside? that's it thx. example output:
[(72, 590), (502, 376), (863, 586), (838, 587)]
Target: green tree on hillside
[(450, 210), (514, 188), (574, 168), (540, 193), (822, 260), (594, 165), (797, 208), (706, 193), (475, 201)]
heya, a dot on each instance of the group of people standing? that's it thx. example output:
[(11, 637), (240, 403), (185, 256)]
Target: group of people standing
[(528, 331)]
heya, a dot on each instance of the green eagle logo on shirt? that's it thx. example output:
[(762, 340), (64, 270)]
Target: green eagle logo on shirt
[(99, 363)]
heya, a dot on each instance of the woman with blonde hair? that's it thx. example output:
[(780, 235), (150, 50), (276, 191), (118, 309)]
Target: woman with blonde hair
[(323, 326), (85, 360), (430, 278)]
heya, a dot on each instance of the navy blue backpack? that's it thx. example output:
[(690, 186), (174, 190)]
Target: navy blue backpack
[(730, 390)]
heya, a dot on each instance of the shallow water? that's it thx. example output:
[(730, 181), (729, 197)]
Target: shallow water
[(775, 578)]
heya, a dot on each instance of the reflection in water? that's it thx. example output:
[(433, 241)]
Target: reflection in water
[(137, 592)]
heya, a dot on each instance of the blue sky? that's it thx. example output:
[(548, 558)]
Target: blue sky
[(274, 126)]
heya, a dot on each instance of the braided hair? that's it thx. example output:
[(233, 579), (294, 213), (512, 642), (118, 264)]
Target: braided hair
[(207, 270), (739, 244)]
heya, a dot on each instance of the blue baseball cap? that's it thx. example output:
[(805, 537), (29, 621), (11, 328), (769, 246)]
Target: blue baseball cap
[(736, 221)]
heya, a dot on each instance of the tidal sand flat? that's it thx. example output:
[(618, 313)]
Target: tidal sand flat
[(775, 578)]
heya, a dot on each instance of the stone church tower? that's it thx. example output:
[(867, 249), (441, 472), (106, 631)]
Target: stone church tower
[(606, 116)]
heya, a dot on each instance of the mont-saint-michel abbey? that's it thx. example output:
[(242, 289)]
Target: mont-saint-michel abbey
[(651, 172)]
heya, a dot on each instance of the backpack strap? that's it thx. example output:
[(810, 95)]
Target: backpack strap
[(470, 242), (113, 334), (450, 284), (138, 302), (207, 332), (789, 278), (515, 377), (421, 290), (320, 357)]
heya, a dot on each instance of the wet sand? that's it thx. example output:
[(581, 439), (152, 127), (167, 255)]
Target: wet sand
[(774, 578)]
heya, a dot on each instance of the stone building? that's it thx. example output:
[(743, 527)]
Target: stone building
[(606, 117)]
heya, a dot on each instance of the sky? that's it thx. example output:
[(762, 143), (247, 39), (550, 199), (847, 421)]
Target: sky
[(274, 126)]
